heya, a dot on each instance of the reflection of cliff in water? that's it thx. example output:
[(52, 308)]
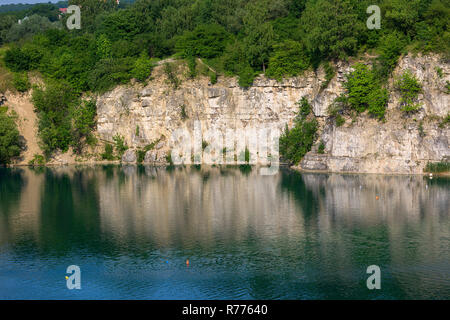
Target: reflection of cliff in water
[(171, 207), (408, 227), (319, 227), (51, 210)]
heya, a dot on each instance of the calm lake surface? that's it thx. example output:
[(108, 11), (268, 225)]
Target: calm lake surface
[(247, 236)]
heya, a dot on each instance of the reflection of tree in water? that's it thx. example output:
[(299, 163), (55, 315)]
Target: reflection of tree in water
[(293, 183), (69, 208), (11, 184), (245, 169)]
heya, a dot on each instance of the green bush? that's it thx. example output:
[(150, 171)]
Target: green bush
[(17, 60), (141, 152), (390, 48), (109, 72), (321, 148), (378, 99), (83, 123), (339, 120), (328, 28), (142, 68), (409, 89), (443, 166), (10, 143), (28, 27), (288, 59), (38, 160), (183, 113), (119, 145), (192, 65), (53, 106), (206, 41), (171, 76), (364, 91), (213, 77), (108, 154), (445, 121), (246, 76), (296, 142), (21, 82), (329, 74)]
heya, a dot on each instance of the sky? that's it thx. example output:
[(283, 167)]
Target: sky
[(25, 1)]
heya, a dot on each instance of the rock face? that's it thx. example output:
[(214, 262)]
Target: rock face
[(156, 157), (129, 156), (400, 145)]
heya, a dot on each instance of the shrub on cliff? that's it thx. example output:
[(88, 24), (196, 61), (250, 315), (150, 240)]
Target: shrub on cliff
[(21, 82), (409, 89), (53, 108), (289, 59), (10, 143), (64, 119), (363, 91), (108, 154), (83, 123), (206, 41), (120, 145), (296, 142), (142, 67), (442, 166)]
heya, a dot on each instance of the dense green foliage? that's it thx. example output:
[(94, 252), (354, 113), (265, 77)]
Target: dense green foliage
[(38, 160), (234, 37), (237, 37), (443, 166), (142, 67), (409, 88), (364, 91), (289, 59), (120, 145), (296, 142), (10, 143), (21, 82), (108, 154), (64, 119)]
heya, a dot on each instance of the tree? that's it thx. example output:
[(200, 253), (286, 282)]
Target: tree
[(10, 143), (53, 107), (390, 48), (296, 142), (206, 41), (288, 59), (83, 123), (28, 27), (17, 60), (142, 67), (409, 88), (364, 91), (5, 23), (402, 14), (259, 34), (47, 10), (329, 28), (90, 9), (103, 47)]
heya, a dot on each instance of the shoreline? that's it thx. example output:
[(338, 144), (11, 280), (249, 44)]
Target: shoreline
[(293, 168)]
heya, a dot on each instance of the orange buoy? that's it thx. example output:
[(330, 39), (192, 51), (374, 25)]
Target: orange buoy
[(187, 262)]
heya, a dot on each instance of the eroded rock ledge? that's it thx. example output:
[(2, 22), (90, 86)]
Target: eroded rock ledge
[(145, 114)]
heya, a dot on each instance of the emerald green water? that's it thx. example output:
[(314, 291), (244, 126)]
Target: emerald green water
[(247, 236)]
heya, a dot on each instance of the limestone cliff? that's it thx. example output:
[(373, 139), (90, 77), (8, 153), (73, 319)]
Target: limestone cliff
[(144, 114)]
